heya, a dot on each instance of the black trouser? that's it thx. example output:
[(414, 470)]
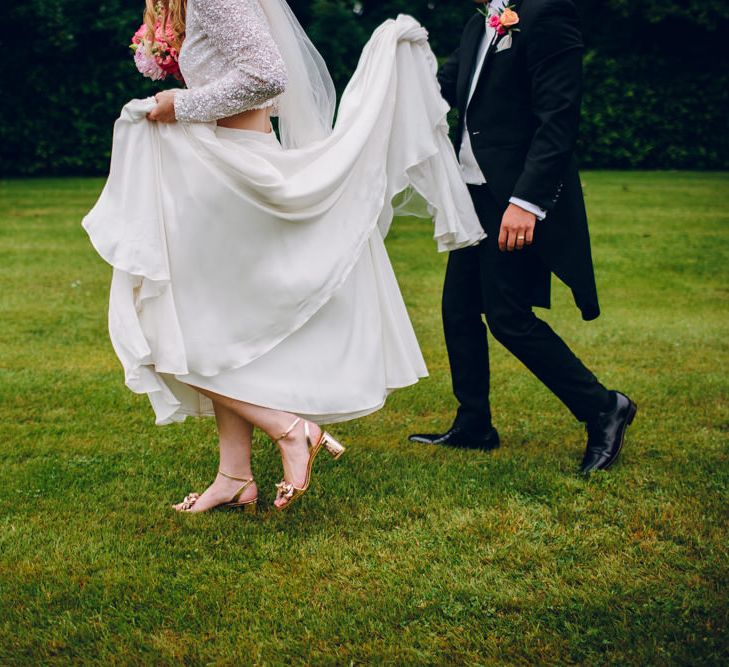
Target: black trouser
[(484, 280)]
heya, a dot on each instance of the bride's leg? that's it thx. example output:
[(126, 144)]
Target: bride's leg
[(294, 452), (235, 434)]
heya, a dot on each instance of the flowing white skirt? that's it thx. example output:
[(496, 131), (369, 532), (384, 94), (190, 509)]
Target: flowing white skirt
[(261, 273)]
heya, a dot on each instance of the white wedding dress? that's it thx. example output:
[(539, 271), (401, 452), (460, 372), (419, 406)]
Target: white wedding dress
[(259, 272)]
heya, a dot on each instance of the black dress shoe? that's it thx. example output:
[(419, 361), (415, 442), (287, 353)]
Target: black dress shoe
[(606, 434), (459, 437)]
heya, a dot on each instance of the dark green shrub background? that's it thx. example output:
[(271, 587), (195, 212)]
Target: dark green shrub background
[(657, 76)]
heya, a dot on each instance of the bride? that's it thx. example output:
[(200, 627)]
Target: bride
[(250, 278)]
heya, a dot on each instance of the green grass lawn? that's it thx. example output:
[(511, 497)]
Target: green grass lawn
[(401, 553)]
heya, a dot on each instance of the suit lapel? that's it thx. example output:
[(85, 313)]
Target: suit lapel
[(487, 59), (471, 41)]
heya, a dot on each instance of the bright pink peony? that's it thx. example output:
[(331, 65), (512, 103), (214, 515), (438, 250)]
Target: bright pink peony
[(140, 35)]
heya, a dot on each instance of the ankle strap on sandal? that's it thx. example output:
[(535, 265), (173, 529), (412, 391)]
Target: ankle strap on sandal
[(291, 428), (237, 479)]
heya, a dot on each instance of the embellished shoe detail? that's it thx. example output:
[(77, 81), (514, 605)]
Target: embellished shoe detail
[(249, 506), (189, 502), (286, 491)]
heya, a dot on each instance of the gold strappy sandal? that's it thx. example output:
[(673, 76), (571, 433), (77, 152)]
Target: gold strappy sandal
[(248, 506), (288, 491)]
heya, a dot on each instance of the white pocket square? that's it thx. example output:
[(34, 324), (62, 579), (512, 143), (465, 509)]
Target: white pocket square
[(504, 44)]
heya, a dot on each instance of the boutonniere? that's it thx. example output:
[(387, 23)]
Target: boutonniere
[(504, 21)]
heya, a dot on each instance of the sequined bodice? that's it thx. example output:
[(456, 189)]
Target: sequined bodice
[(229, 60)]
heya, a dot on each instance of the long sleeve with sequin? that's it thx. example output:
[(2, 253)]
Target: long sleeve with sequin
[(229, 60)]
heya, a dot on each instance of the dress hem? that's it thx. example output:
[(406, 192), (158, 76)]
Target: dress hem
[(323, 418)]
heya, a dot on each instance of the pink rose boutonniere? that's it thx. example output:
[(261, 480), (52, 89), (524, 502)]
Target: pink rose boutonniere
[(504, 21)]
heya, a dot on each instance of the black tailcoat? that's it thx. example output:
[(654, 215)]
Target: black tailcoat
[(523, 122)]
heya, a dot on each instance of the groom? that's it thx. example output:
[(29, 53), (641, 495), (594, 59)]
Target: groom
[(516, 80)]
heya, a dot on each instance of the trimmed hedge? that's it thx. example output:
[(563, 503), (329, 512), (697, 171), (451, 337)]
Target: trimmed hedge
[(654, 114)]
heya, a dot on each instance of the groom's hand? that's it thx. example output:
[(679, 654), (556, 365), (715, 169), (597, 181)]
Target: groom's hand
[(517, 229)]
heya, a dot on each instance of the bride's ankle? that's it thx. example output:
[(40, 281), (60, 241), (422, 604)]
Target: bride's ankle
[(234, 475), (296, 431)]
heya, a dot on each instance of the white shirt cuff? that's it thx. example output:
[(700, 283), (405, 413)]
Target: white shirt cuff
[(532, 208)]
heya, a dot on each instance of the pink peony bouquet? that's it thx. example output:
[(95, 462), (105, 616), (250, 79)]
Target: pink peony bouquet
[(157, 60)]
